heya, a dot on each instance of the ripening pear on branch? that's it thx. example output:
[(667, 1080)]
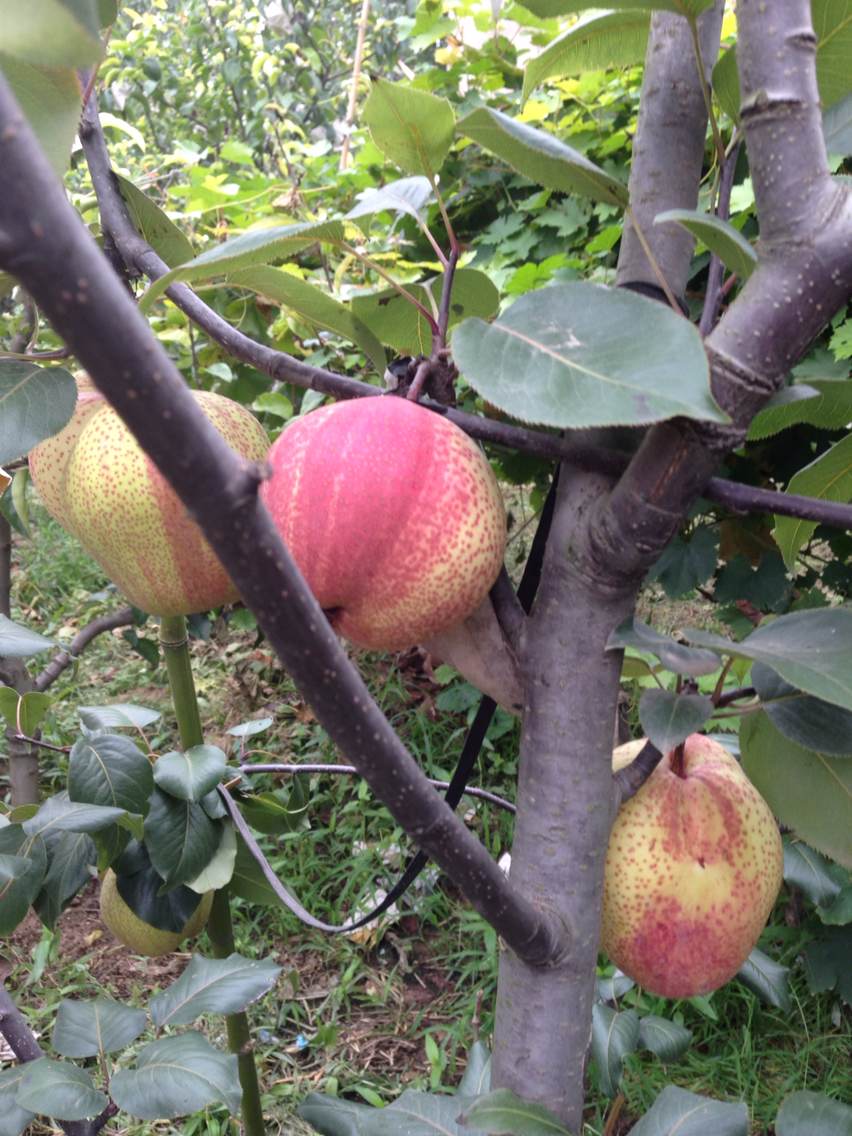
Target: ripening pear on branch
[(693, 868), (144, 938), (96, 480), (393, 516)]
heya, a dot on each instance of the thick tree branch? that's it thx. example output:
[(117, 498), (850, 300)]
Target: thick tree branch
[(139, 256), (64, 658), (44, 244)]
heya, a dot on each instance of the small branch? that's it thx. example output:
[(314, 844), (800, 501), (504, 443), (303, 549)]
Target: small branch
[(715, 274), (750, 499), (446, 300), (705, 88), (38, 742), (628, 781), (60, 662), (735, 696), (36, 356), (350, 770)]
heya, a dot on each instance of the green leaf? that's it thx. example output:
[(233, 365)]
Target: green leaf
[(213, 986), (838, 913), (397, 322), (73, 858), (149, 220), (91, 1026), (108, 769), (333, 1116), (50, 98), (52, 33), (668, 718), (726, 84), (414, 1114), (20, 880), (33, 707), (588, 356), (190, 775), (257, 246), (615, 40), (273, 402), (17, 642), (60, 1090), (674, 656), (828, 478), (250, 728), (826, 403), (806, 869), (827, 963), (810, 722), (541, 157), (175, 1076), (809, 792), (667, 1039), (477, 1074), (813, 1114), (837, 128), (615, 1035), (768, 979), (313, 305), (35, 402), (408, 195), (180, 837), (677, 1112), (502, 1111), (59, 814), (141, 888), (833, 26), (117, 715), (719, 236), (13, 1118), (412, 128), (218, 872), (248, 881), (812, 650)]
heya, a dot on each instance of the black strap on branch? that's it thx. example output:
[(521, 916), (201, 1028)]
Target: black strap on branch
[(455, 790)]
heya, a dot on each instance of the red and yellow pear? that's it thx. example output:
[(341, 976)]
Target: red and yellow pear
[(693, 868), (393, 516), (103, 488)]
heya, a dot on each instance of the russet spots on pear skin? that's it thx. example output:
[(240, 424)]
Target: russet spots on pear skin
[(693, 868), (393, 516)]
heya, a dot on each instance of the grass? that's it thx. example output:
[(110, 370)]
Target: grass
[(367, 1007)]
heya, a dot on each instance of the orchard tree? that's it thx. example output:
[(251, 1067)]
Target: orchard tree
[(642, 404)]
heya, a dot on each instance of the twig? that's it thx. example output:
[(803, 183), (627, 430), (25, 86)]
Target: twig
[(61, 661), (18, 737), (628, 781), (735, 696), (713, 295), (446, 299), (510, 614), (470, 790)]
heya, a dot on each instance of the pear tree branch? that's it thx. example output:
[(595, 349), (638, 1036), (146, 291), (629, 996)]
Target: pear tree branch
[(44, 244)]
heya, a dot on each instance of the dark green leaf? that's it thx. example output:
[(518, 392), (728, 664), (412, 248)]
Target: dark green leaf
[(412, 128), (541, 157), (50, 98), (810, 722), (73, 858), (807, 791), (806, 869), (59, 814), (109, 769), (117, 716), (248, 881), (35, 402), (615, 1035), (667, 1039), (18, 642), (502, 1111), (213, 986), (615, 40), (810, 649), (674, 656), (726, 84), (668, 718), (180, 836), (20, 880), (827, 963), (677, 1112), (161, 233), (88, 1027), (191, 775), (719, 236), (13, 1118), (589, 356), (767, 978), (267, 813), (59, 1089), (175, 1076), (813, 1114), (140, 886), (685, 564), (611, 988), (218, 871)]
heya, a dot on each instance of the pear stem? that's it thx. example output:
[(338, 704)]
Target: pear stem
[(220, 930), (676, 761)]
